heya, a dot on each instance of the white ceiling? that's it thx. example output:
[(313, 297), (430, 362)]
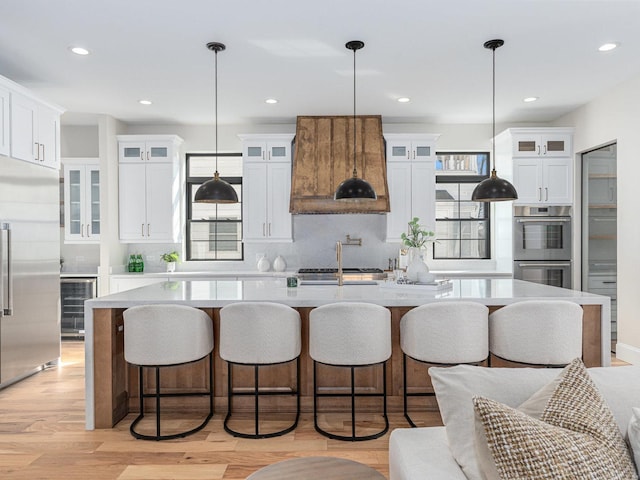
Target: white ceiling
[(293, 50)]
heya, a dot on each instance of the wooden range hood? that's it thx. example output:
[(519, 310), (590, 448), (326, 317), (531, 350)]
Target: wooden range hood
[(323, 158)]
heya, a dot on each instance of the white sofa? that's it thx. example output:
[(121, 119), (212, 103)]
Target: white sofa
[(426, 453)]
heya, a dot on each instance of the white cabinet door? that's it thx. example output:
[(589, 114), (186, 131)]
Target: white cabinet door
[(132, 198), (557, 180), (23, 128), (527, 178), (278, 197), (254, 214), (399, 180), (5, 142), (423, 188), (48, 134), (81, 203), (543, 181), (159, 202)]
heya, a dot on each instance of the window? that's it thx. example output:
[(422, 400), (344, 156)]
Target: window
[(462, 226), (214, 231)]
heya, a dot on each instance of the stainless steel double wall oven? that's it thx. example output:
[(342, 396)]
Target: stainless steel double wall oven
[(542, 244)]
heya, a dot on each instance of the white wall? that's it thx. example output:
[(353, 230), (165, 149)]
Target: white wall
[(614, 117)]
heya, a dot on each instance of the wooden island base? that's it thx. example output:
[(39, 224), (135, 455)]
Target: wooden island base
[(116, 383)]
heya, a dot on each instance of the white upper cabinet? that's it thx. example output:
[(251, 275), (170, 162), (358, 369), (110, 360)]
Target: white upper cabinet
[(266, 187), (81, 200), (412, 182), (547, 144), (541, 160), (5, 145), (35, 132), (150, 189)]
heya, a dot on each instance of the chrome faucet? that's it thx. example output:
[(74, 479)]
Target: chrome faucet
[(339, 258)]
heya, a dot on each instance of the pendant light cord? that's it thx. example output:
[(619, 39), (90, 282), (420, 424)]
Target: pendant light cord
[(355, 171), (215, 106), (493, 136)]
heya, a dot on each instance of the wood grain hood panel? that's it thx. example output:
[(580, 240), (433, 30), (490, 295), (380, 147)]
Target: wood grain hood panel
[(323, 158)]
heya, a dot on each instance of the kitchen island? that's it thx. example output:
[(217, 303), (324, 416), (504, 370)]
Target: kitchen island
[(111, 385)]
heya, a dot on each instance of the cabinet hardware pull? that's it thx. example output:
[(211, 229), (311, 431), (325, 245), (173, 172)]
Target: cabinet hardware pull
[(611, 281), (546, 265), (147, 155), (538, 147), (545, 149), (546, 193), (264, 234), (142, 229), (88, 231), (539, 194), (543, 220), (37, 151), (269, 228), (269, 155), (148, 230), (141, 155), (43, 151), (82, 229)]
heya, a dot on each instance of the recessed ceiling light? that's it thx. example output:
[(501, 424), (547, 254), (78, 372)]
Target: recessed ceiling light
[(404, 100), (145, 102), (607, 47), (271, 101), (530, 99), (79, 50)]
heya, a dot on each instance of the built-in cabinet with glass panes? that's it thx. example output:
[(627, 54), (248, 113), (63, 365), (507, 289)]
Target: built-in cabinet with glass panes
[(599, 226), (81, 200), (267, 187), (150, 188), (462, 225), (410, 176)]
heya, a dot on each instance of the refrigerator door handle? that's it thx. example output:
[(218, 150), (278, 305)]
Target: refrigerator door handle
[(8, 311)]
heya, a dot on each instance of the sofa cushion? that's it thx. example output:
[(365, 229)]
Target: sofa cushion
[(634, 434), (576, 436), (455, 387)]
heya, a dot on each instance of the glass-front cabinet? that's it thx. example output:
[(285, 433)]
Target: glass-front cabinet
[(599, 226), (81, 200)]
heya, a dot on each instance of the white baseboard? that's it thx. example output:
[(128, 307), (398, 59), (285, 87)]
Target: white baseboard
[(628, 353)]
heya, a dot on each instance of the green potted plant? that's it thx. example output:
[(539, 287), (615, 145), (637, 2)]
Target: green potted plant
[(416, 239), (171, 259)]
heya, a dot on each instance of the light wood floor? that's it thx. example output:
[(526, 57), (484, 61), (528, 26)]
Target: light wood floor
[(42, 436)]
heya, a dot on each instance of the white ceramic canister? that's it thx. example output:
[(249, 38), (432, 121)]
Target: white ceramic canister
[(263, 264), (279, 265)]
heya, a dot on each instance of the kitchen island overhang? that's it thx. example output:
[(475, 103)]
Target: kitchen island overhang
[(109, 388)]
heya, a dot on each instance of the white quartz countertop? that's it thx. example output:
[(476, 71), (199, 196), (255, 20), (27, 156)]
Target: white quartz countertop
[(203, 274), (218, 293)]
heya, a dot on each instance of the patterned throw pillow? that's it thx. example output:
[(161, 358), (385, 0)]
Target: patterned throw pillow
[(576, 437)]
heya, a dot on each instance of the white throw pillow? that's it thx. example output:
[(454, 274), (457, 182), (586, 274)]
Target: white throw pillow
[(634, 435), (456, 386)]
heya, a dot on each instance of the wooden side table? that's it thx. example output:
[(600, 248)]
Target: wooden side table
[(317, 468)]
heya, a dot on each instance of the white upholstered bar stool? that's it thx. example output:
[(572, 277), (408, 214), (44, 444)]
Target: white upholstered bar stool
[(443, 334), (259, 334), (158, 336), (535, 332), (350, 335)]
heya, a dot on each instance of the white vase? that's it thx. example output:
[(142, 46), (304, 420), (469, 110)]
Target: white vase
[(171, 267), (416, 264), (279, 265), (263, 264)]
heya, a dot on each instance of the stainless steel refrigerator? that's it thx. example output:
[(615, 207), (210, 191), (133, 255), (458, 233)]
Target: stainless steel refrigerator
[(29, 269)]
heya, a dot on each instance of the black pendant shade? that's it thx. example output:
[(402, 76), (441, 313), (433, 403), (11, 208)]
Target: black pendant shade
[(216, 190), (354, 189), (494, 188)]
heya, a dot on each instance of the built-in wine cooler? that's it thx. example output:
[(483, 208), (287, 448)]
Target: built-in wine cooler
[(73, 292)]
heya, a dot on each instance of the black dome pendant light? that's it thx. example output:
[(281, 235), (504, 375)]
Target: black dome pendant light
[(355, 189), (216, 190), (494, 188)]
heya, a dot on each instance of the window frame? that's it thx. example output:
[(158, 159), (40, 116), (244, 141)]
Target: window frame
[(189, 182), (465, 179)]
